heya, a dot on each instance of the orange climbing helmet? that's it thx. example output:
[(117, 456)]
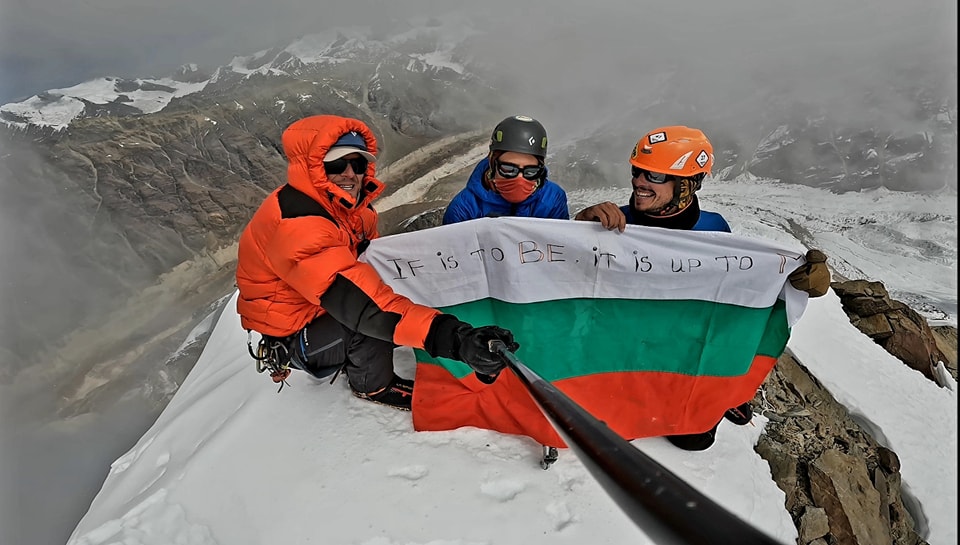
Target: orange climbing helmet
[(676, 151)]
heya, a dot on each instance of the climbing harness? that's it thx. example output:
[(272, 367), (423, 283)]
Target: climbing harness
[(271, 355)]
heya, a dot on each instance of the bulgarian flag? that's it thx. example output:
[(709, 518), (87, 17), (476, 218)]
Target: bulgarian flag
[(653, 331)]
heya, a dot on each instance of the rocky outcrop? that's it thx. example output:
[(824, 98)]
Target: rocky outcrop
[(946, 339), (892, 324), (841, 486)]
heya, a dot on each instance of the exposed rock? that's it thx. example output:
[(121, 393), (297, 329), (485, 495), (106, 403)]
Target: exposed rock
[(813, 524), (424, 220), (946, 339), (191, 73), (892, 324), (840, 484), (823, 459)]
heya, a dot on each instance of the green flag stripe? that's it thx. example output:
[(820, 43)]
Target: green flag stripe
[(573, 337)]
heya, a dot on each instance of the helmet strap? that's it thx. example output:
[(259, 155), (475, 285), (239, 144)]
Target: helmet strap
[(491, 166)]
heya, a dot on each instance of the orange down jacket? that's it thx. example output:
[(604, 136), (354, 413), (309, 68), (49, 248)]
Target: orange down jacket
[(298, 255)]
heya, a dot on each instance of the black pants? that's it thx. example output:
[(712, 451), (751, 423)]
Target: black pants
[(324, 346)]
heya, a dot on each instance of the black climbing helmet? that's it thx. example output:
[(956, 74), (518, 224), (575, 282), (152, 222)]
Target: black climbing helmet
[(521, 134)]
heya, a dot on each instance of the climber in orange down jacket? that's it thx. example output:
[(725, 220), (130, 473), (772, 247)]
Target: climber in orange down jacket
[(302, 288)]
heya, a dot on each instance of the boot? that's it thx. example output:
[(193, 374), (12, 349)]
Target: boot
[(404, 384), (694, 441), (740, 415), (391, 396)]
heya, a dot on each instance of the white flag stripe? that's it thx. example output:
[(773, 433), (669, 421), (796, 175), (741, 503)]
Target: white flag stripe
[(525, 260)]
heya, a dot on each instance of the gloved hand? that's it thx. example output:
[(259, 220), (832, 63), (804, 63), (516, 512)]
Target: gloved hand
[(475, 348), (451, 338), (813, 276)]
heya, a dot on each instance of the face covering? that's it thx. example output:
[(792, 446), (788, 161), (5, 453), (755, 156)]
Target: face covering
[(515, 190)]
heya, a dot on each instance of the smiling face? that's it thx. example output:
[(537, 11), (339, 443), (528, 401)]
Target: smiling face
[(349, 180), (651, 197)]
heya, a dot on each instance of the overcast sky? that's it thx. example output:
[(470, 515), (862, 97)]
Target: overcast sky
[(56, 43)]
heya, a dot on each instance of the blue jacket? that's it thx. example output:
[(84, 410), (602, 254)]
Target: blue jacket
[(475, 201), (711, 221)]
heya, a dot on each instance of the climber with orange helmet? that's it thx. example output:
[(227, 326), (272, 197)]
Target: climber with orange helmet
[(667, 168)]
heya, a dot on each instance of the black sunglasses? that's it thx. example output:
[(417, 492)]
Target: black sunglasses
[(652, 177), (337, 166), (510, 170)]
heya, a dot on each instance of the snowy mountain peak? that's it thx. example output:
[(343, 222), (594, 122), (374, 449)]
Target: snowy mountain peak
[(423, 45), (56, 108)]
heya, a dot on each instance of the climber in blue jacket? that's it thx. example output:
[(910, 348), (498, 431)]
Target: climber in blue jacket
[(512, 179)]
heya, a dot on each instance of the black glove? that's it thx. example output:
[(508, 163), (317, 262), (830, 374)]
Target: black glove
[(475, 348), (450, 338), (813, 276)]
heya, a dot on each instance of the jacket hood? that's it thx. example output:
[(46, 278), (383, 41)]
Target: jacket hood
[(306, 142)]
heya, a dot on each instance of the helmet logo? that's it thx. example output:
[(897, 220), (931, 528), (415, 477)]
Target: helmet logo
[(522, 118), (702, 158), (657, 137), (679, 163), (532, 141)]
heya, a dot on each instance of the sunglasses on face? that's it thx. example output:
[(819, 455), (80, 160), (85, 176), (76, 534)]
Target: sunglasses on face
[(652, 177), (338, 166), (510, 170)]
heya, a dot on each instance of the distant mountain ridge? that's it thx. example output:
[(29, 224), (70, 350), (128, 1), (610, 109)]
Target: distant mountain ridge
[(343, 58)]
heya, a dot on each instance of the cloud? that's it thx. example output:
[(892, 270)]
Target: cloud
[(57, 43), (716, 56), (45, 43)]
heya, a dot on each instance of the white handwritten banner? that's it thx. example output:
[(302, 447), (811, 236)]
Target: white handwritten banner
[(524, 260)]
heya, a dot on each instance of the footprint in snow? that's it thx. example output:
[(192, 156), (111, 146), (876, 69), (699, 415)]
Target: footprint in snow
[(560, 514), (410, 473), (503, 491)]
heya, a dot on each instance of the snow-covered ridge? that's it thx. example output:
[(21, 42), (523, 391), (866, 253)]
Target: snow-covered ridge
[(428, 44), (56, 108)]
